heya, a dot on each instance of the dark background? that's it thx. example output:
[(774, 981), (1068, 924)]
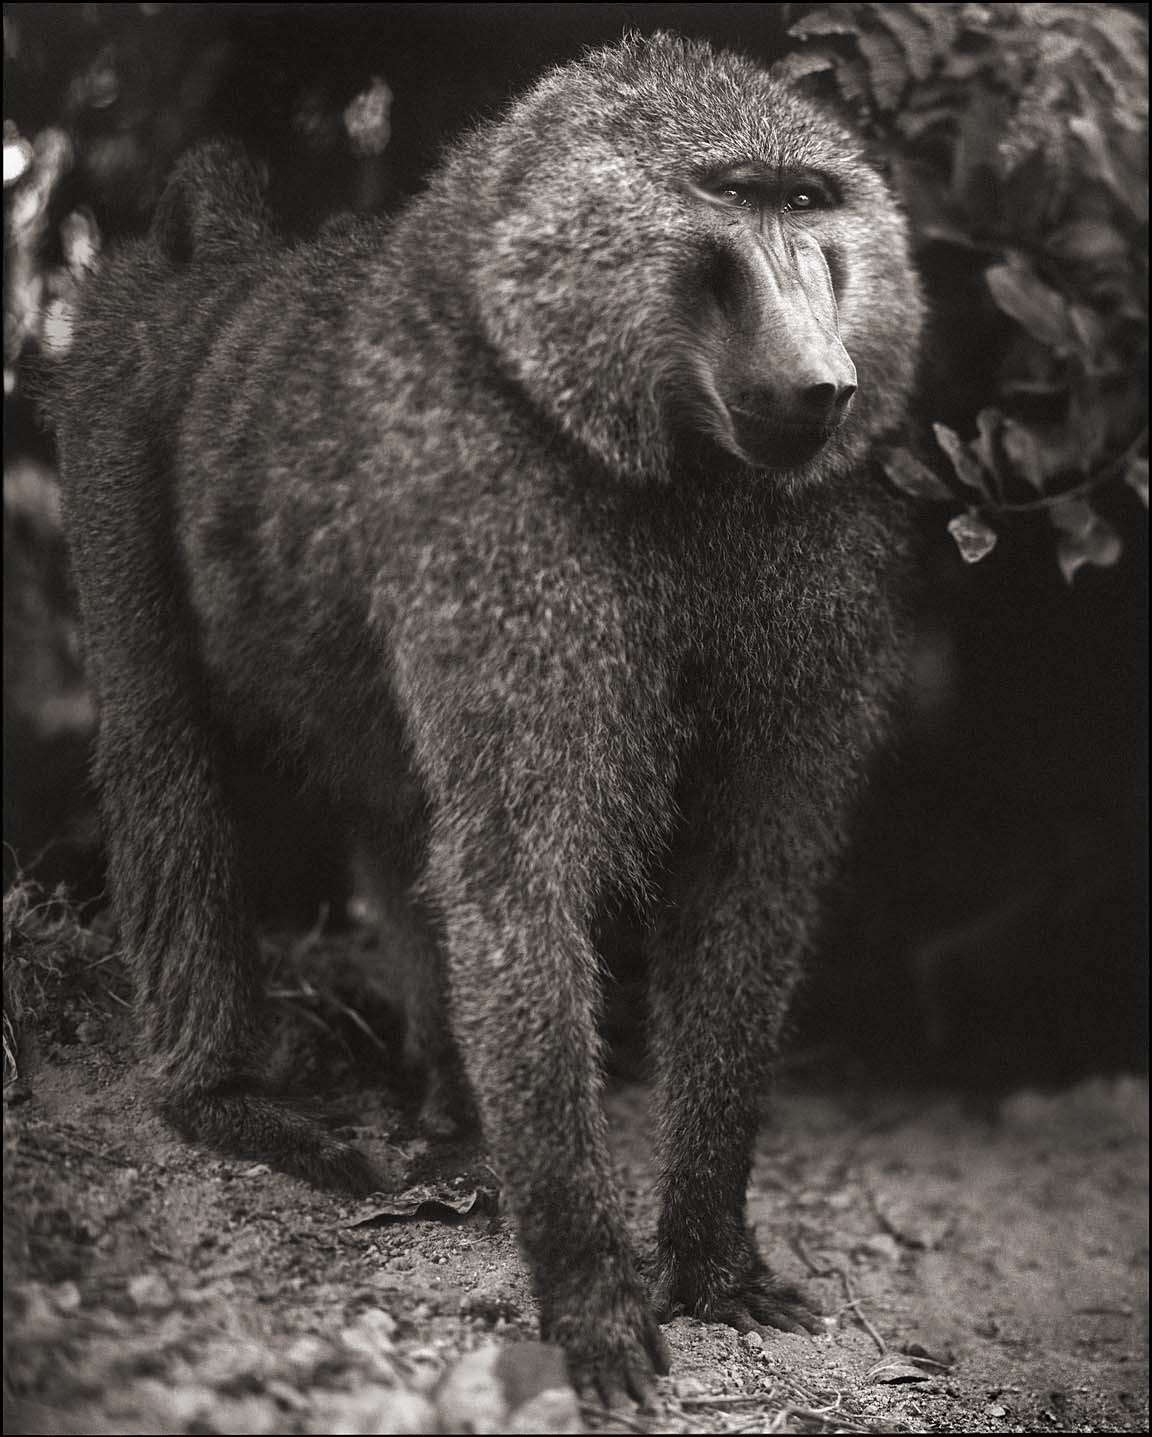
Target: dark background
[(992, 923)]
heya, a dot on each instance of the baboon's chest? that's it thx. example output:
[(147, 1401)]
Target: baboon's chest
[(774, 627)]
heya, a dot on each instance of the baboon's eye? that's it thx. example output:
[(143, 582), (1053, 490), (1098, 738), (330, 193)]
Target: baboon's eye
[(806, 196), (743, 198)]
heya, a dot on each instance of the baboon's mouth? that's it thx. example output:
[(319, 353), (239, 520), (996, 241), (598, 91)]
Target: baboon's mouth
[(769, 445)]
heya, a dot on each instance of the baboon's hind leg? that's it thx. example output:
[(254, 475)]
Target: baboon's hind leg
[(172, 843), (416, 973)]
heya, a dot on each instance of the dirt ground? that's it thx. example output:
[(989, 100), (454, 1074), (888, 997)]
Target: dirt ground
[(982, 1269)]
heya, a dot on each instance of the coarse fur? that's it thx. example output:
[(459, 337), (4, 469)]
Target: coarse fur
[(456, 507)]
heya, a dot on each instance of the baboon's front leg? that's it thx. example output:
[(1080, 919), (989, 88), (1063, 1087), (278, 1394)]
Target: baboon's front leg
[(548, 784), (724, 965), (524, 992)]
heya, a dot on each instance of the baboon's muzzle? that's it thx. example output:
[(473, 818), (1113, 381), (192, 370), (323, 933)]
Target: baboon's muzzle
[(790, 384)]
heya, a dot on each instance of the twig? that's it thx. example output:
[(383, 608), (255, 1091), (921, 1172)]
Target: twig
[(839, 1421), (1050, 501), (833, 1416), (732, 1399), (853, 1304), (851, 1301), (797, 1245), (613, 1414)]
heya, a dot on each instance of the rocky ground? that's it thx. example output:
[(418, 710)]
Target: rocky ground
[(982, 1269)]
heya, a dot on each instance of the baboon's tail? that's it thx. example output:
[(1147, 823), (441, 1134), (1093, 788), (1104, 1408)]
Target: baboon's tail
[(213, 206)]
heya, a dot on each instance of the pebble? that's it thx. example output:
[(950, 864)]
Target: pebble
[(149, 1290)]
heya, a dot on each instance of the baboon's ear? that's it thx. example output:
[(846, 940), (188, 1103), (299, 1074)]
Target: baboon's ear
[(212, 204), (172, 227)]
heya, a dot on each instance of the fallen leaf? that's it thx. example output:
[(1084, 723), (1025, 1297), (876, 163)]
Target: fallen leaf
[(896, 1369), (426, 1202)]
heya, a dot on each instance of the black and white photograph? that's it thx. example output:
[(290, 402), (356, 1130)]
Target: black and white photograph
[(575, 718)]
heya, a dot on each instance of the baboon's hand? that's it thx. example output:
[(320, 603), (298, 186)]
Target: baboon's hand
[(613, 1343)]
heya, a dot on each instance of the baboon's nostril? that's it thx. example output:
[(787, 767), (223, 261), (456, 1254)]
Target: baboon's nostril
[(825, 401)]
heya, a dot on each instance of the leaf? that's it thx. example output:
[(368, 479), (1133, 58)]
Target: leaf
[(1030, 302), (1073, 515), (1023, 449), (1088, 328), (967, 469), (913, 39), (896, 1369), (440, 1202), (1101, 547), (974, 538), (976, 157), (1136, 477), (852, 77), (1087, 425), (1037, 189), (913, 477), (915, 123), (803, 62), (989, 424), (824, 22), (1085, 538), (942, 20), (1095, 144), (886, 70), (1087, 242), (945, 233)]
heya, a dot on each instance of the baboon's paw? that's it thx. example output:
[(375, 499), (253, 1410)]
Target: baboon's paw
[(739, 1289), (764, 1302), (252, 1126), (615, 1350)]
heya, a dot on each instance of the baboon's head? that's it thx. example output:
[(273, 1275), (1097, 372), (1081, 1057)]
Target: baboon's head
[(681, 260)]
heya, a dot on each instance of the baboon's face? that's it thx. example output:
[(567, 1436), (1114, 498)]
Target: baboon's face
[(766, 374), (676, 252)]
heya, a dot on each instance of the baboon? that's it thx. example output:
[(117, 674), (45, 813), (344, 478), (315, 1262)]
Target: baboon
[(538, 525)]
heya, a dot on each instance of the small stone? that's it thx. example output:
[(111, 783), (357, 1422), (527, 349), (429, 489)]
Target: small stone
[(149, 1291), (304, 1356), (753, 1340), (882, 1244), (373, 1409), (471, 1397), (381, 1324), (286, 1395), (556, 1410), (64, 1296), (371, 1335)]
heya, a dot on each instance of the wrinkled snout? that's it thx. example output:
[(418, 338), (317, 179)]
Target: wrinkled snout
[(788, 382)]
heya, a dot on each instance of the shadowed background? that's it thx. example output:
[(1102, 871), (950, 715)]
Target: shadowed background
[(991, 925)]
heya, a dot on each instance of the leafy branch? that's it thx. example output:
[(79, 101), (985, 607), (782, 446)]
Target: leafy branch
[(1018, 136)]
